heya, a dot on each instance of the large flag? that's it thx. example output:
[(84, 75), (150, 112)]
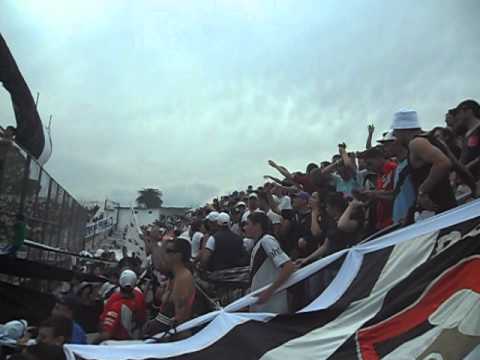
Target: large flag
[(30, 133), (410, 294)]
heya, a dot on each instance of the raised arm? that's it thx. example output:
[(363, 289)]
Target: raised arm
[(282, 170), (347, 160), (329, 168), (371, 129), (274, 179)]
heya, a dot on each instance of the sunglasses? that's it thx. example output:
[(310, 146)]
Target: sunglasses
[(171, 251)]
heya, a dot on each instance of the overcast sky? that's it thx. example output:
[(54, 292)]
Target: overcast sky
[(193, 97)]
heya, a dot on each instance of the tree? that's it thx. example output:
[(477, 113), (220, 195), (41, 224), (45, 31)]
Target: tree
[(150, 198)]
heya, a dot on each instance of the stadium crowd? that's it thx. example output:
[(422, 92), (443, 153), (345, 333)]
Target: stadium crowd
[(256, 238)]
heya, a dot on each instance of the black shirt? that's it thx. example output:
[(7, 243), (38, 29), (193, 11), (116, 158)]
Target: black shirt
[(228, 250), (301, 228)]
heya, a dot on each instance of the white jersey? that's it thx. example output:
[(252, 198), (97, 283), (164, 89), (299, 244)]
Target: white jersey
[(265, 263)]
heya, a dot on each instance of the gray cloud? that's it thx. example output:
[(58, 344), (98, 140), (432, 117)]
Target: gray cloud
[(195, 99)]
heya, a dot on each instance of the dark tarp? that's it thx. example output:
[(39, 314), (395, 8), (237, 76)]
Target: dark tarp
[(18, 302), (30, 133), (22, 303)]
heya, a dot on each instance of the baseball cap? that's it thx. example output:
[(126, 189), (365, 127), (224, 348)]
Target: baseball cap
[(105, 290), (12, 331), (405, 119), (240, 203), (302, 195), (223, 219), (212, 216), (387, 137), (253, 196), (127, 278), (469, 104)]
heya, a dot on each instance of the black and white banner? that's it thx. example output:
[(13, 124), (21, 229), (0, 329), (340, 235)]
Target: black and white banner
[(410, 294)]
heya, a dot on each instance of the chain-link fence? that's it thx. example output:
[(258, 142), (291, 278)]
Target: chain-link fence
[(52, 215)]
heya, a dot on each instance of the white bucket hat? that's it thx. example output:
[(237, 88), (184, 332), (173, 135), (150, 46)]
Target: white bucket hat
[(405, 119)]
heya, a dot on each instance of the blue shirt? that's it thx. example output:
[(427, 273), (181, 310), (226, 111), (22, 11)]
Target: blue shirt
[(406, 197), (78, 335)]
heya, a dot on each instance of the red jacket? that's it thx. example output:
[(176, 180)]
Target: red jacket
[(121, 315)]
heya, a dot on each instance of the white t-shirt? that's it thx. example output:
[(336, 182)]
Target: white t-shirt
[(196, 242), (248, 244), (285, 203), (274, 217), (210, 245), (265, 263)]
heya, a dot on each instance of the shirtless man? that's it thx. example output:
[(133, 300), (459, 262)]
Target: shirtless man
[(178, 298), (429, 166)]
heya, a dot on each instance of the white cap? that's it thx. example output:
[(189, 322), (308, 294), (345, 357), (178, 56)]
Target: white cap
[(253, 196), (13, 330), (223, 219), (99, 252), (241, 203), (127, 278), (405, 119), (387, 137), (213, 216), (105, 289)]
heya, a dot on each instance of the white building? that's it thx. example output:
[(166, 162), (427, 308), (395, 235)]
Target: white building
[(144, 216)]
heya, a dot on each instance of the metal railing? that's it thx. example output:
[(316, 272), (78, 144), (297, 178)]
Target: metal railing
[(52, 215)]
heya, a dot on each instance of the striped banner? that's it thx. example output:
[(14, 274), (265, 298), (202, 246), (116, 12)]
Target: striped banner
[(410, 294)]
